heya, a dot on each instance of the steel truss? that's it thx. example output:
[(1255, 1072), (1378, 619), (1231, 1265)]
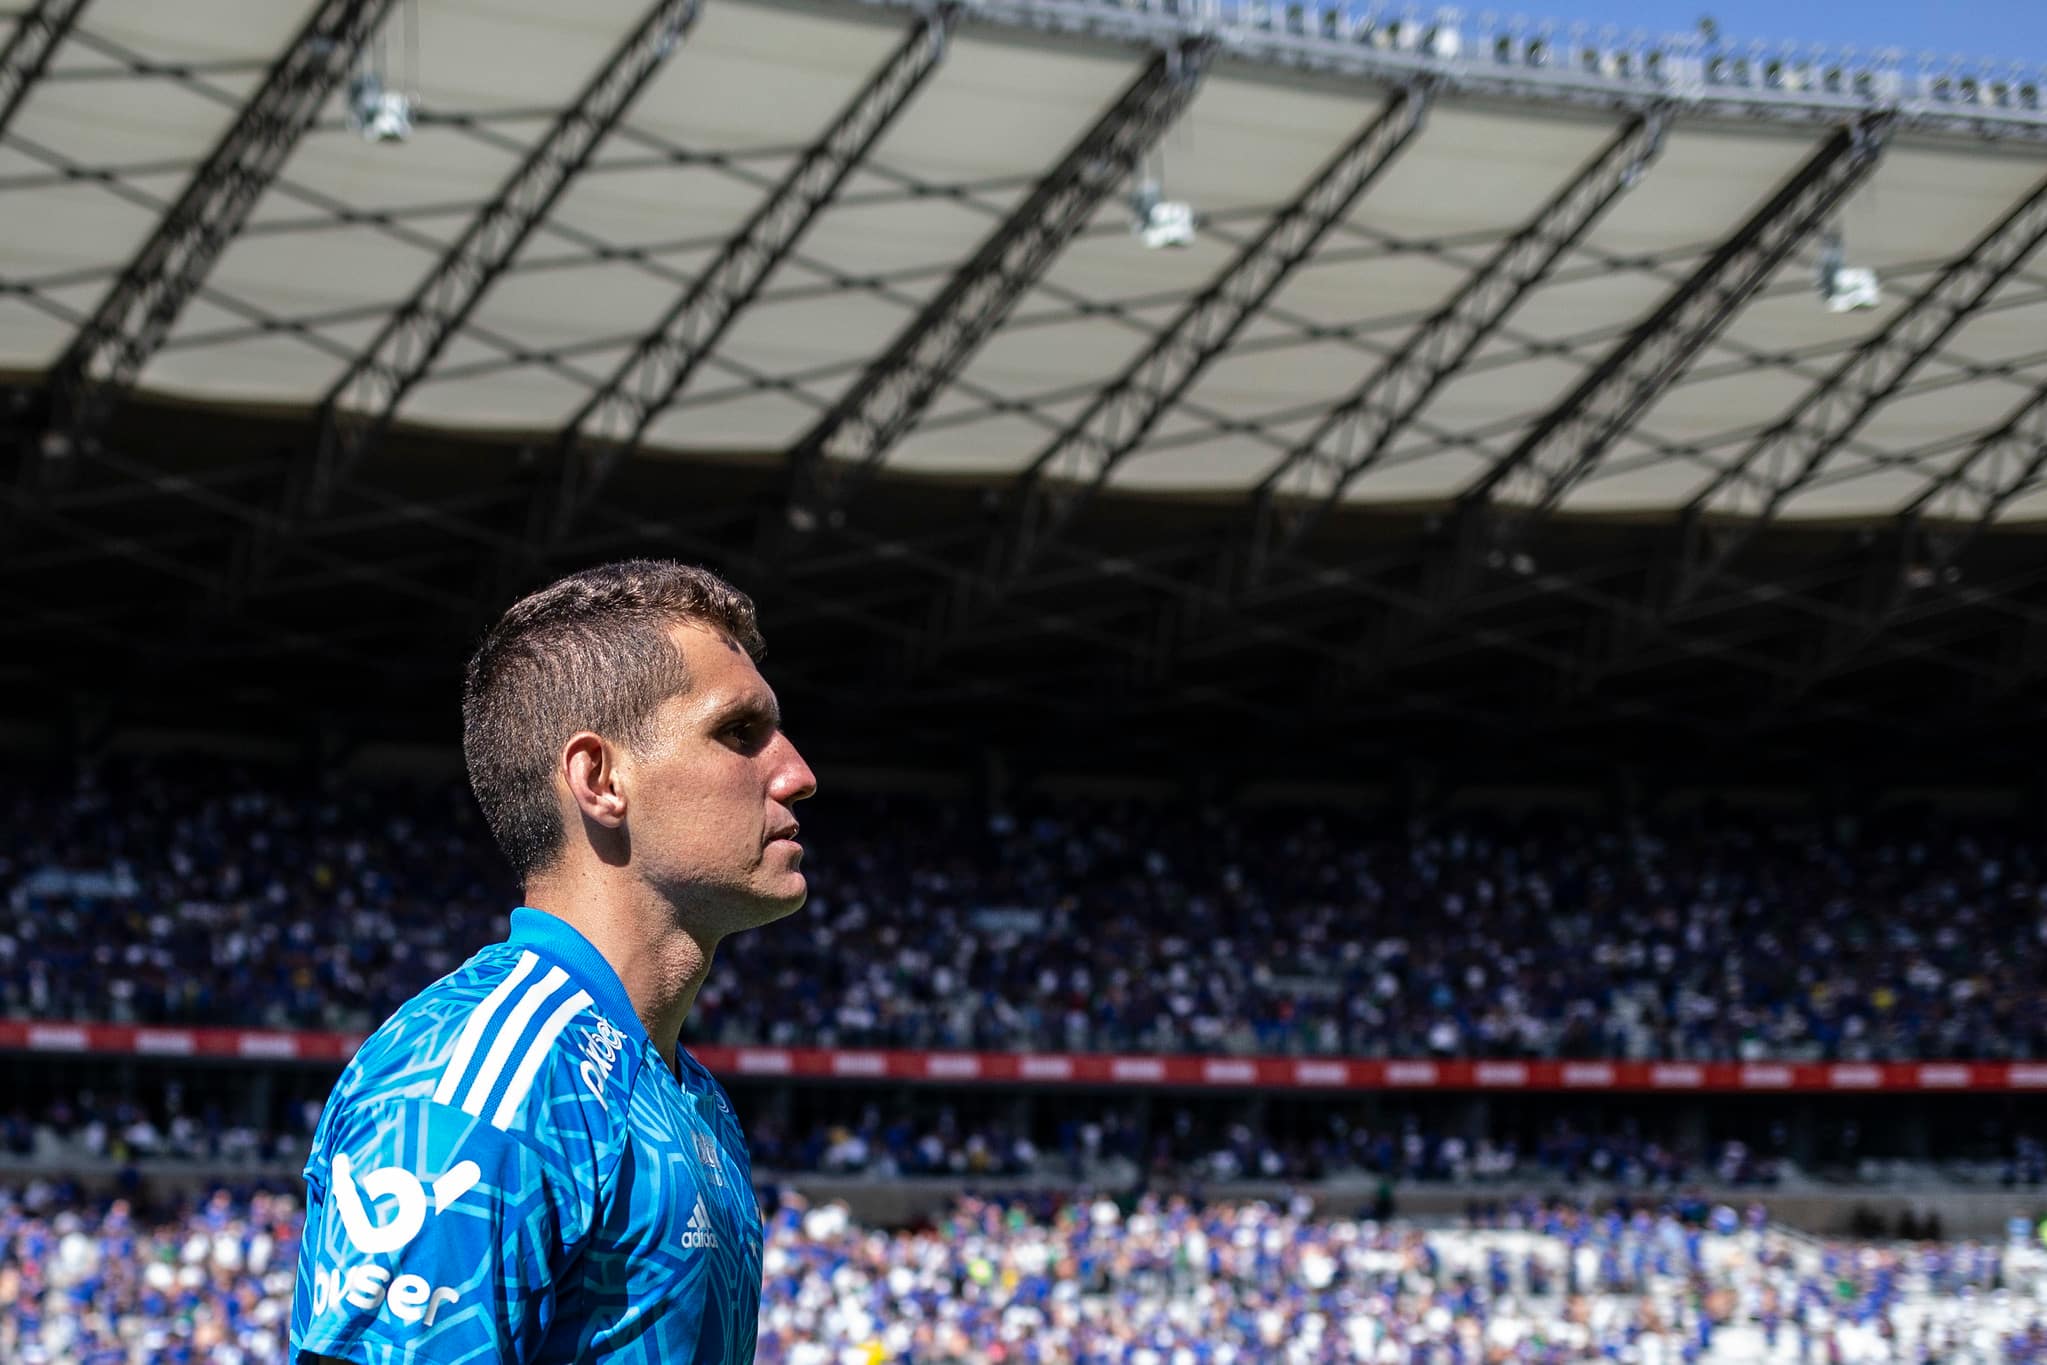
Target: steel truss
[(361, 406), (1923, 553), (1566, 442), (1790, 454), (856, 435), (606, 429), (1487, 529), (36, 37), (1150, 657), (1119, 585), (1312, 477), (1079, 461), (131, 322)]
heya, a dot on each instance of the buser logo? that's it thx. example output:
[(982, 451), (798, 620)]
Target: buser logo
[(394, 1182), (698, 1233), (366, 1285)]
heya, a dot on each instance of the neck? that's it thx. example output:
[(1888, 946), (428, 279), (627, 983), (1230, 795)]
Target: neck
[(661, 962)]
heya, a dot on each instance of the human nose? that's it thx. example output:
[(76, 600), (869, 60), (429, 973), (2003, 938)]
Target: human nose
[(794, 781)]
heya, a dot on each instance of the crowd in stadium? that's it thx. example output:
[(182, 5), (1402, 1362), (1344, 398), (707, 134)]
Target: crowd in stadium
[(89, 1131), (1183, 1146), (1079, 925), (92, 1129), (1155, 1282)]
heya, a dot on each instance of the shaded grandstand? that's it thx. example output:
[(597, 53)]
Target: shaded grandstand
[(1393, 612)]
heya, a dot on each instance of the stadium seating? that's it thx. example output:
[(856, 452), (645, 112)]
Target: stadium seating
[(1151, 1281), (1087, 1146), (1084, 926)]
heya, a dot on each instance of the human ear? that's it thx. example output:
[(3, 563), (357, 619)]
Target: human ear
[(591, 768)]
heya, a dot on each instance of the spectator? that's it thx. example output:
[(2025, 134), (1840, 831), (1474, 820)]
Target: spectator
[(1089, 926), (1161, 1280)]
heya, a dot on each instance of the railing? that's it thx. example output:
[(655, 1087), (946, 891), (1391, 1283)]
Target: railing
[(1119, 1069), (1987, 98)]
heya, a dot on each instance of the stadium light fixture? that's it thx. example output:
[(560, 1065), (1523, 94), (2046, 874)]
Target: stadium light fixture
[(1158, 221), (1845, 288), (376, 111), (378, 114)]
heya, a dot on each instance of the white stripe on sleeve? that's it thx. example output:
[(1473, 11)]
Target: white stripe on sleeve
[(472, 1032), (508, 1038), (529, 1065)]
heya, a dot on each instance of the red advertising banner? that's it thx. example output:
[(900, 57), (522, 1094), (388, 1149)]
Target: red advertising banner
[(1110, 1069), (145, 1040)]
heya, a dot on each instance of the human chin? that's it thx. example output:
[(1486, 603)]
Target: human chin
[(780, 900), (779, 891)]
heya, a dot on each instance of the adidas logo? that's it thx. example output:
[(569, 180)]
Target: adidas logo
[(698, 1233)]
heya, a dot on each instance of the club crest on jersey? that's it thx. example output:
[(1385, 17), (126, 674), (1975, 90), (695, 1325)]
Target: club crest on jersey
[(707, 1151)]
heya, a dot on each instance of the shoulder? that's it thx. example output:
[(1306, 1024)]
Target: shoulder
[(509, 1041)]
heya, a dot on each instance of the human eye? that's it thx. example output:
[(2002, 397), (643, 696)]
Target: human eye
[(748, 734)]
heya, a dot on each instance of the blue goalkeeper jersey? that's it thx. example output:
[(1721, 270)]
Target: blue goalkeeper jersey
[(508, 1171)]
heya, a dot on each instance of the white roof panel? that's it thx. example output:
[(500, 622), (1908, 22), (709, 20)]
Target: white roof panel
[(349, 230)]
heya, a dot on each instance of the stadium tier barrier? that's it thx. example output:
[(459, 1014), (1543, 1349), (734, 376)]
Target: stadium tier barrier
[(1085, 1069)]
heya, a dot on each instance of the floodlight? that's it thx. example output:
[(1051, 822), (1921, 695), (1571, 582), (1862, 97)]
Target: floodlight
[(1158, 221), (1845, 288), (378, 114)]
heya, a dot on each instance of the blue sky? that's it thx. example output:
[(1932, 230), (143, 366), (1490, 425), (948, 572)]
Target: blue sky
[(2002, 30)]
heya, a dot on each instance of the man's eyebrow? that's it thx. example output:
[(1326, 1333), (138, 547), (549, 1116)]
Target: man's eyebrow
[(750, 706)]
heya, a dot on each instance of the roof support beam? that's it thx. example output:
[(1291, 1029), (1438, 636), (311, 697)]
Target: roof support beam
[(363, 403), (853, 439), (1937, 528), (1784, 459), (1572, 437), (607, 429), (2004, 463), (36, 37), (1311, 478), (131, 322), (1078, 462), (1495, 513)]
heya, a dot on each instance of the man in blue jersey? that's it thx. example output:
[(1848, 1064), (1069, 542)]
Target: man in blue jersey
[(522, 1164)]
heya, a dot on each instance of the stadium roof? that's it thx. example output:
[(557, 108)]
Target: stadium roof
[(1513, 345)]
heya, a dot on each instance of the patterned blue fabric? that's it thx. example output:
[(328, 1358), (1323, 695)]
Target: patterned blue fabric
[(507, 1171)]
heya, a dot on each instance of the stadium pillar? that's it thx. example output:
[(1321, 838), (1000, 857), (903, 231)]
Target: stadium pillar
[(1475, 1119), (1690, 1130), (1023, 1112), (777, 1106), (1138, 1115), (1802, 1134), (259, 1103), (1914, 1135)]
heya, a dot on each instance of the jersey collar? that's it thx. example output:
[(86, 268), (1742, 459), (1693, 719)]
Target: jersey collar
[(561, 941)]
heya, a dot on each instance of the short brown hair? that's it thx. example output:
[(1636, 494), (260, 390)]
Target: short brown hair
[(588, 652)]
